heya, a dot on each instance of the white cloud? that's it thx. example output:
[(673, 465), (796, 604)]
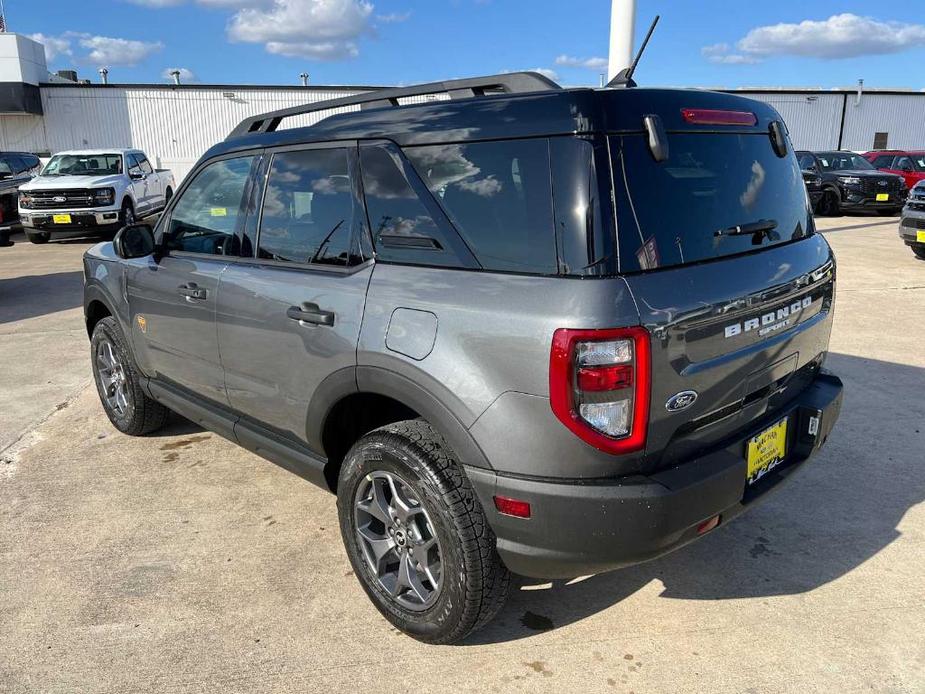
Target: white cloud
[(318, 29), (587, 63), (54, 45), (109, 51), (186, 75), (719, 53), (393, 17), (840, 36)]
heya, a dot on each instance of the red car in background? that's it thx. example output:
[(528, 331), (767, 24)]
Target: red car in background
[(910, 164)]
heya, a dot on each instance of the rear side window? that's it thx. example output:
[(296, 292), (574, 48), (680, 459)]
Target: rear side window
[(686, 209), (406, 225), (498, 196), (308, 209)]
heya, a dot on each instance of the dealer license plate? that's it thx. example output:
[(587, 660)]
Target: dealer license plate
[(61, 218), (883, 197), (920, 236), (766, 451)]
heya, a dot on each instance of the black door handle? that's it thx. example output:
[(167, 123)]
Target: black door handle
[(191, 290), (310, 313)]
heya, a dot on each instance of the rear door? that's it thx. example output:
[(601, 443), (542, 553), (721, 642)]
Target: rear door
[(289, 315), (172, 299), (720, 252)]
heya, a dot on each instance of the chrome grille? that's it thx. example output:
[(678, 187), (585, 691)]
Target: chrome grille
[(60, 199)]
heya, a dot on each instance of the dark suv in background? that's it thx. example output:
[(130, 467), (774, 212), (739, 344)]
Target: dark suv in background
[(851, 183), (16, 168), (478, 322)]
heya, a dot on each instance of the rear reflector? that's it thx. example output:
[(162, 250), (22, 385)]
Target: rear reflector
[(711, 116), (708, 525), (512, 507)]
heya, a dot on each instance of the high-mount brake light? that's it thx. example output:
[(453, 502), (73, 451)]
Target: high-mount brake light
[(599, 383), (712, 116)]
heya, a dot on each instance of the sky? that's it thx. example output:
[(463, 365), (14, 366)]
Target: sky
[(707, 43)]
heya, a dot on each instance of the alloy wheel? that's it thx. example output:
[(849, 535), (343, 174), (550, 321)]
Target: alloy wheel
[(113, 379), (398, 541)]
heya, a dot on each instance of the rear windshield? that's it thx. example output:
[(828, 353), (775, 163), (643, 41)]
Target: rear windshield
[(688, 208)]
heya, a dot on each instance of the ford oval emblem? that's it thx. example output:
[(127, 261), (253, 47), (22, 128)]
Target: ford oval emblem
[(681, 401)]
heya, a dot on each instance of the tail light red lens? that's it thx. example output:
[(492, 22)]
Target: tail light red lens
[(599, 383), (712, 116)]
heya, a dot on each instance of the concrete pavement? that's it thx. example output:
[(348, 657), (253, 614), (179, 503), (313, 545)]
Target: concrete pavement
[(180, 562)]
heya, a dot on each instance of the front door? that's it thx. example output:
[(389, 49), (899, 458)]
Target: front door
[(290, 315), (172, 298)]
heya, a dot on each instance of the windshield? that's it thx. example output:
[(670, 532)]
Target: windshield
[(84, 165), (843, 161), (715, 195)]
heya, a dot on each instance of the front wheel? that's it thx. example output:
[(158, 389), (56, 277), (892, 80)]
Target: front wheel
[(831, 204), (919, 250), (417, 536), (38, 236), (128, 214), (118, 383)]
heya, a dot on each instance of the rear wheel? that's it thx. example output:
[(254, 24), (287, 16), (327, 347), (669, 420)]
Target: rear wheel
[(417, 536), (38, 236), (118, 383), (919, 250)]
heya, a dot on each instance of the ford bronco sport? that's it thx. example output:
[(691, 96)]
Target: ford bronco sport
[(523, 329)]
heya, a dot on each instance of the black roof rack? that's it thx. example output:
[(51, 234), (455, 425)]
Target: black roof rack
[(510, 83)]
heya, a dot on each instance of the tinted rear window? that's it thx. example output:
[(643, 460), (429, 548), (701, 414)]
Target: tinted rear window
[(669, 213), (498, 196)]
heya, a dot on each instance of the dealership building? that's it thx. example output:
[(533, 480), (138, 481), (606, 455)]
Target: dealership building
[(175, 123)]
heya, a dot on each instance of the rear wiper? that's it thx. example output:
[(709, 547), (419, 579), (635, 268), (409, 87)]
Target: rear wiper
[(763, 227)]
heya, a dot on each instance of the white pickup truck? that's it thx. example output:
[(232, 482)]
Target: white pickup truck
[(90, 190)]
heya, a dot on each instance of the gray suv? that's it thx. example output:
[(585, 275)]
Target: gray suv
[(520, 329)]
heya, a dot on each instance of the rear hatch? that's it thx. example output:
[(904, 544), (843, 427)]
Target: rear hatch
[(719, 250)]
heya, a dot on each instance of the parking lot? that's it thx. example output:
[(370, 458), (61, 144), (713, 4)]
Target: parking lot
[(181, 562)]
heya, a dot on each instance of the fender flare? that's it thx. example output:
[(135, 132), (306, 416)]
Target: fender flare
[(374, 379)]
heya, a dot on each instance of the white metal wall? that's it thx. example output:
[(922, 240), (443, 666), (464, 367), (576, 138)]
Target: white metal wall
[(173, 126), (901, 116), (812, 119)]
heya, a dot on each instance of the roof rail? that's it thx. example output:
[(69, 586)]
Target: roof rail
[(510, 83)]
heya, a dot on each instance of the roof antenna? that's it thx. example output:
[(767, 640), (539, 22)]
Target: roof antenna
[(624, 78)]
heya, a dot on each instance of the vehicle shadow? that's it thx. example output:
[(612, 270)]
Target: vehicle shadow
[(840, 511), (29, 296)]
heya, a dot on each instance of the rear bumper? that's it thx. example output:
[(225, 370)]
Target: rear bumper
[(588, 527)]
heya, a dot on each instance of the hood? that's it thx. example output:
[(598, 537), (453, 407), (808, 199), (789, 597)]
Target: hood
[(863, 173), (71, 182)]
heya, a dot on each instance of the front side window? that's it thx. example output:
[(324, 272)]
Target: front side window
[(499, 198), (206, 217), (144, 164), (308, 209)]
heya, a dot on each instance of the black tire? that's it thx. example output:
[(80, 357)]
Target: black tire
[(5, 239), (127, 215), (140, 415), (919, 250), (830, 206), (38, 236), (473, 583)]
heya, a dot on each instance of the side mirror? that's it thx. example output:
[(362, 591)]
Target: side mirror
[(135, 241), (136, 175), (778, 138)]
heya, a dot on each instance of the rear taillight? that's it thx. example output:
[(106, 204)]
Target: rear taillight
[(712, 116), (599, 386)]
